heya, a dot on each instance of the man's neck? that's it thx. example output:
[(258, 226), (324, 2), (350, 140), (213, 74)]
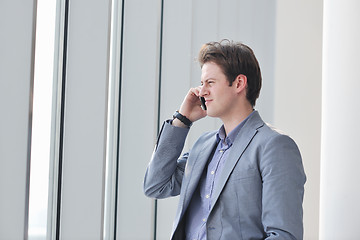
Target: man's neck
[(236, 118)]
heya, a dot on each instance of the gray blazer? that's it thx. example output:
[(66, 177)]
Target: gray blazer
[(260, 191)]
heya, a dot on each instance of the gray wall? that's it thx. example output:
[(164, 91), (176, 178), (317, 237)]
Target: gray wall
[(85, 120), (16, 79), (138, 116)]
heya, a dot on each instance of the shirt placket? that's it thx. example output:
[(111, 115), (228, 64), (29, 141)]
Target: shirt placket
[(214, 172)]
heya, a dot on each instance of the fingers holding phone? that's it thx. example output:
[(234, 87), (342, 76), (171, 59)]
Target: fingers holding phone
[(191, 106)]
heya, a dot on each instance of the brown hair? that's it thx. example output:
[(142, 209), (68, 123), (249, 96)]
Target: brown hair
[(234, 58)]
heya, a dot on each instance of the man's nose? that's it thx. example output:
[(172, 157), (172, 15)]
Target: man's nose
[(203, 91)]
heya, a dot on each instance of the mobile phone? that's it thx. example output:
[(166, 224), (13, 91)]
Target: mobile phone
[(202, 99)]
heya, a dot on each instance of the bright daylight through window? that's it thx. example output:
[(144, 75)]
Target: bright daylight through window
[(41, 123)]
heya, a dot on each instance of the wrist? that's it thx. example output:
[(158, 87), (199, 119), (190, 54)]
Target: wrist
[(180, 118), (177, 123)]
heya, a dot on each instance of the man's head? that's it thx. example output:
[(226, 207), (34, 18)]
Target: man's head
[(234, 58)]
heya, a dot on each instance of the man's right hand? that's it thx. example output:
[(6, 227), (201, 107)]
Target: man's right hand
[(191, 107)]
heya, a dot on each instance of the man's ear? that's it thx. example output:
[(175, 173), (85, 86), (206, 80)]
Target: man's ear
[(240, 83)]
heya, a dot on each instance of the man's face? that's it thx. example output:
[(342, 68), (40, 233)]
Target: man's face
[(219, 96)]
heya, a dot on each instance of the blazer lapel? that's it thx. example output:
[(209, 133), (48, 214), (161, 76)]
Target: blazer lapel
[(196, 169), (242, 140)]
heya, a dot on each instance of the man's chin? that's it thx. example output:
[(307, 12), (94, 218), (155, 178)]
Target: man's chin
[(210, 113)]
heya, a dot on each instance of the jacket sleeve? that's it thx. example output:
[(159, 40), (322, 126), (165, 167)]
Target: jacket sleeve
[(283, 189), (165, 171)]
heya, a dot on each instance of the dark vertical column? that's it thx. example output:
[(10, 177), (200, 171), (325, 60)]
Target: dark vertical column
[(119, 114), (62, 118), (159, 98)]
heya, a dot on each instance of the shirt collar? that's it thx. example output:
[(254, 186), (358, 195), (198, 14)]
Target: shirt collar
[(230, 138)]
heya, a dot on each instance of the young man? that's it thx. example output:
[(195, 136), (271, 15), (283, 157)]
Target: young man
[(244, 181)]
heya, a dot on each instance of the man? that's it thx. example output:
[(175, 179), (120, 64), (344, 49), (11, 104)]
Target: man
[(244, 181)]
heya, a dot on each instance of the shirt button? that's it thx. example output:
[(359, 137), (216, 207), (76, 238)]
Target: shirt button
[(212, 172), (204, 219), (207, 196), (221, 151)]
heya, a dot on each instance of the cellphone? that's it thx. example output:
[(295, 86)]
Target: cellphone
[(202, 99)]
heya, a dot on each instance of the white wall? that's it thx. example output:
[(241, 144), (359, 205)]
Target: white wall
[(16, 78), (340, 197)]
